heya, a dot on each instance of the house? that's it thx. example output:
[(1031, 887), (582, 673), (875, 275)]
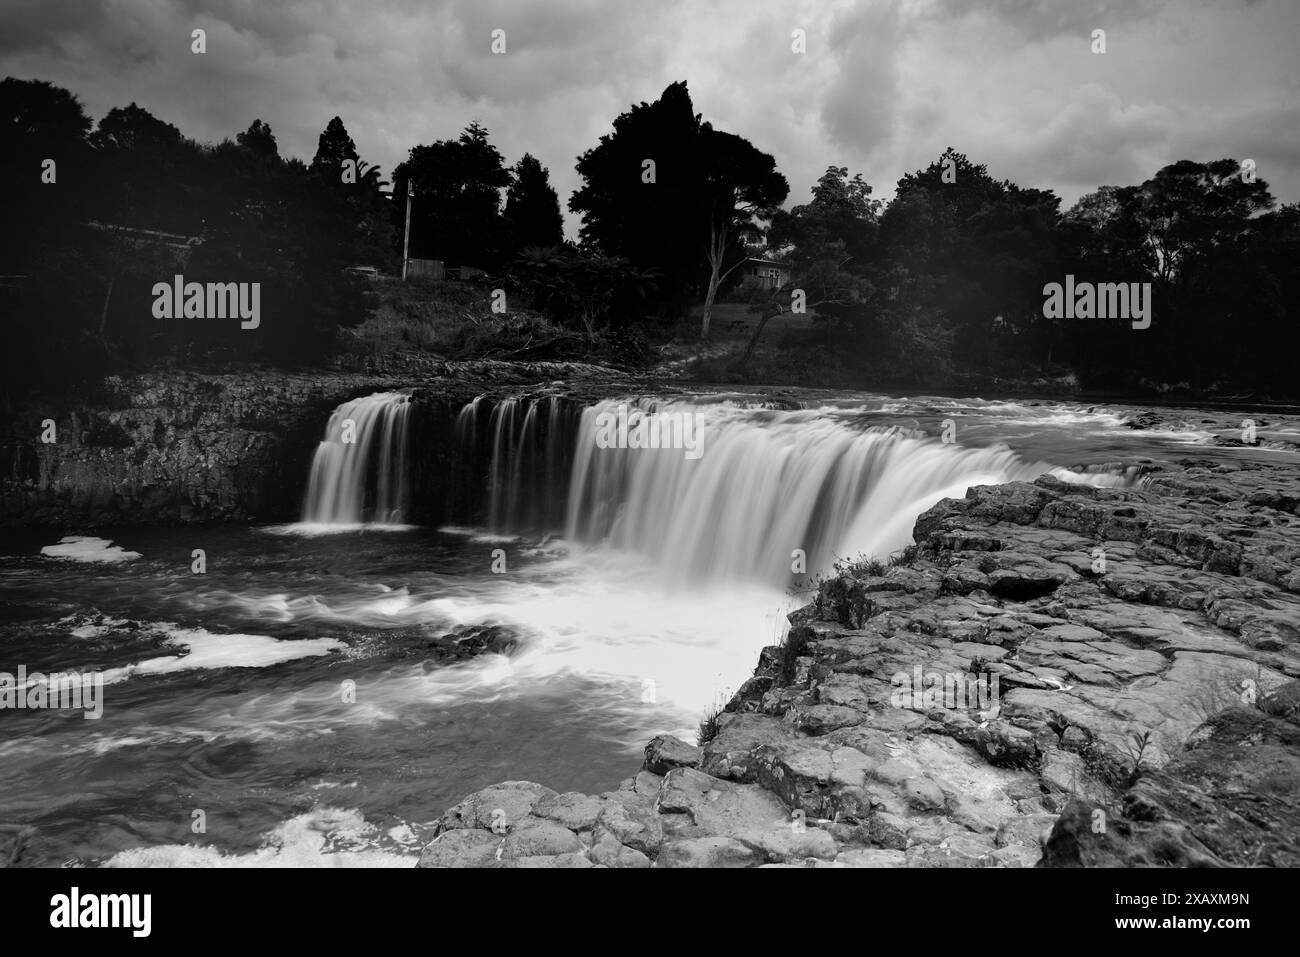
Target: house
[(764, 272)]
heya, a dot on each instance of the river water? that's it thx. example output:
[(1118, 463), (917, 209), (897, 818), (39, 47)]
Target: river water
[(284, 707)]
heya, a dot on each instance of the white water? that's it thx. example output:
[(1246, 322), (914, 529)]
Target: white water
[(85, 548), (771, 482), (362, 459)]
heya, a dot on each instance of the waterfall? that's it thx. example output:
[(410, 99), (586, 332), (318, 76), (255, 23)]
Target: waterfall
[(770, 482), (763, 486), (359, 472), (529, 443)]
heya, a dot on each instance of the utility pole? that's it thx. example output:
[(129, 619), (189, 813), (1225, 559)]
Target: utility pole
[(406, 238)]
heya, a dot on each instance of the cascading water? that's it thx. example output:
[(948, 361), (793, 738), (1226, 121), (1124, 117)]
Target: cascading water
[(359, 472), (530, 444), (768, 483), (763, 483)]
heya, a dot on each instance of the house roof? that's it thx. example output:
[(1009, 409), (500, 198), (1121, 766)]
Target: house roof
[(176, 240)]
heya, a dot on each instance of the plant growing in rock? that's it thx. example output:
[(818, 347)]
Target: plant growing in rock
[(905, 557), (1136, 749), (874, 568), (795, 646), (709, 724)]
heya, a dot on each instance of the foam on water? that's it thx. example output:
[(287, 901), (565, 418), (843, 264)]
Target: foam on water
[(86, 548), (201, 649), (324, 837), (477, 534), (314, 529)]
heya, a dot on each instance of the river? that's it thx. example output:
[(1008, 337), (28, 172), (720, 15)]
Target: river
[(285, 706)]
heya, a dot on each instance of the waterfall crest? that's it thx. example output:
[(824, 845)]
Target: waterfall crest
[(359, 472), (768, 483), (767, 489)]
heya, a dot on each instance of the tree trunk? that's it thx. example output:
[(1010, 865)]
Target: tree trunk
[(709, 297), (758, 331)]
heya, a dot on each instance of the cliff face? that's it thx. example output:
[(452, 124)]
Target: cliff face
[(172, 447), (1057, 675), (188, 447)]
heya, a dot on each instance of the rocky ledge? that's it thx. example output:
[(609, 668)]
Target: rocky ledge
[(1054, 675)]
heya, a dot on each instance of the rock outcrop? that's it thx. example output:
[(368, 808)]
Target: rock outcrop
[(1054, 675)]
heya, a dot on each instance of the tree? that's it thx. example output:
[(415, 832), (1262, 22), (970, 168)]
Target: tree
[(970, 253), (1188, 207), (456, 215), (740, 186), (333, 148), (1192, 231), (45, 305), (134, 128), (642, 192), (532, 210), (41, 123), (148, 172), (260, 140), (36, 111), (664, 185), (827, 243)]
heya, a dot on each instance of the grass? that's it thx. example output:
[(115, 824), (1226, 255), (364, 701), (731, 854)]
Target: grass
[(792, 649), (905, 558), (710, 725)]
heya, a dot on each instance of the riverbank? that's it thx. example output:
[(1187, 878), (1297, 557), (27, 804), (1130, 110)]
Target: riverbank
[(1137, 651)]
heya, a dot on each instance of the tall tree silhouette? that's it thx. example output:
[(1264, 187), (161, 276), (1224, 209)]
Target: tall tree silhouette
[(667, 191), (260, 140), (532, 210), (333, 148), (640, 197)]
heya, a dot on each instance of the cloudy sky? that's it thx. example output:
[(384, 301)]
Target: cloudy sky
[(883, 87)]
